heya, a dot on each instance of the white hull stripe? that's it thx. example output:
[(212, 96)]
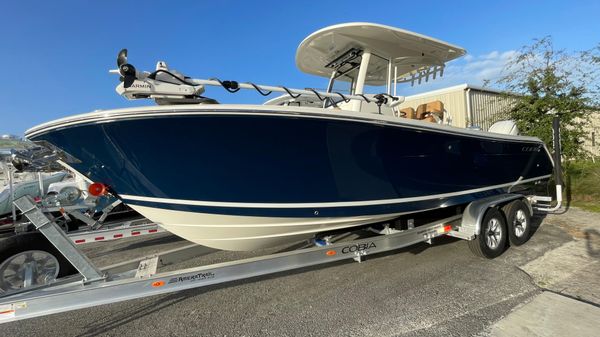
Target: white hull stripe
[(324, 204)]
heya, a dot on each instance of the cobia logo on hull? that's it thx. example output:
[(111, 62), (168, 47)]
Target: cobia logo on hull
[(358, 247), (531, 149)]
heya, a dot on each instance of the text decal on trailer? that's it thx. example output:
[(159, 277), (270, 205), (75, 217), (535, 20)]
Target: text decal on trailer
[(191, 278), (358, 247)]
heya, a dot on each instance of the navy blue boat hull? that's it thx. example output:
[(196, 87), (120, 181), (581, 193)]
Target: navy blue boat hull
[(299, 169)]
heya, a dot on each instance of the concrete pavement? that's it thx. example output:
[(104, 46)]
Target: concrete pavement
[(571, 276), (550, 315)]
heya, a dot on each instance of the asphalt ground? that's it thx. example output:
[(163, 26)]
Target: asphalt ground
[(424, 290)]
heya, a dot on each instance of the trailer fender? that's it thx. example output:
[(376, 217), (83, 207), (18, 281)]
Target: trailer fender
[(474, 212)]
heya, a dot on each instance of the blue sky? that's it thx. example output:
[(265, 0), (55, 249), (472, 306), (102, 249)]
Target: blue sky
[(55, 55)]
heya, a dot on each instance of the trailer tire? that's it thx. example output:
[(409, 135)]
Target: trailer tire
[(518, 222), (491, 241), (33, 241)]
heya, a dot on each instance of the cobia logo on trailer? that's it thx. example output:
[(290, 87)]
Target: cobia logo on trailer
[(358, 247)]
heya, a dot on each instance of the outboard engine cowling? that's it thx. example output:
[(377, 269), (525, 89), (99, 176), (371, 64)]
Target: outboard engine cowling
[(508, 127)]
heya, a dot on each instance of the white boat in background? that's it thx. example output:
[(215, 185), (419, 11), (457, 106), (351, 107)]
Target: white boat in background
[(31, 187), (243, 177), (23, 183)]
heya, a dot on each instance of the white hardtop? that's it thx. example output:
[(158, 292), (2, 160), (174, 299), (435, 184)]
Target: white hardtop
[(409, 52)]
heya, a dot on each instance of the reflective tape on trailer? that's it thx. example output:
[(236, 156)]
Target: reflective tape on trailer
[(115, 233)]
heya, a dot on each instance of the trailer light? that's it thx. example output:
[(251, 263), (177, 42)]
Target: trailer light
[(330, 253), (447, 228), (158, 284), (98, 189)]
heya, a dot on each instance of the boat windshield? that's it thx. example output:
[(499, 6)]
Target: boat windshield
[(343, 78), (344, 83)]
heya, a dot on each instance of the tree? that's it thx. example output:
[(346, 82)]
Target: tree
[(547, 80)]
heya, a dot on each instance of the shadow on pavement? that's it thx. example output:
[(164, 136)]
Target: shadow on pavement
[(592, 242), (536, 222), (112, 322)]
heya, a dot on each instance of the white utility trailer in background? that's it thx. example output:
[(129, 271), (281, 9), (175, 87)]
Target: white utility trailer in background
[(85, 219)]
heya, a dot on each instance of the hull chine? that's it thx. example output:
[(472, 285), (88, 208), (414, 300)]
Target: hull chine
[(243, 233)]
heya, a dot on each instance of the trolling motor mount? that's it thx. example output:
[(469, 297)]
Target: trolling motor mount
[(163, 85)]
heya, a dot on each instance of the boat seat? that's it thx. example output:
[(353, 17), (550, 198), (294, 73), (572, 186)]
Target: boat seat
[(430, 111), (436, 107), (408, 113), (421, 111), (431, 118)]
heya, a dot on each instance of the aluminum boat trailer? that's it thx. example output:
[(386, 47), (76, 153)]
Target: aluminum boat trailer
[(481, 223)]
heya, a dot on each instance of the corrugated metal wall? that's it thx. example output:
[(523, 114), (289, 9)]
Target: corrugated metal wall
[(489, 107), (454, 103), (592, 141), (486, 107)]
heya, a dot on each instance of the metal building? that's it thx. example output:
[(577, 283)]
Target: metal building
[(473, 106), (592, 142), (466, 105)]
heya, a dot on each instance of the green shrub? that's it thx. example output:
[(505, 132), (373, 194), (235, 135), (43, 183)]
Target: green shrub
[(583, 179)]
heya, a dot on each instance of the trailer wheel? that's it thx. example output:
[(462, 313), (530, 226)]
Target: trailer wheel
[(28, 260), (491, 241), (519, 222)]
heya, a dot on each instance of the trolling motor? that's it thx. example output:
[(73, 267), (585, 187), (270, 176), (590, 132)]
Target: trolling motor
[(168, 86), (163, 85)]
